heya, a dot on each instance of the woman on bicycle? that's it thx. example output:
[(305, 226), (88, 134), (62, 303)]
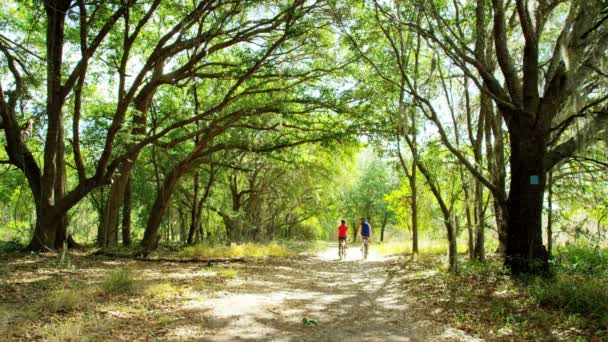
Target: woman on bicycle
[(342, 230)]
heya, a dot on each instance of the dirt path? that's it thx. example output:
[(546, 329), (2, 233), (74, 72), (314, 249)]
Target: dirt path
[(349, 300)]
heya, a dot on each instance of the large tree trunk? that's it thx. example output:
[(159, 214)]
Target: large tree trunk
[(51, 227), (525, 252)]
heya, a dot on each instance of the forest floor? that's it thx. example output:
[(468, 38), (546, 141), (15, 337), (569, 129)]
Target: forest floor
[(308, 297)]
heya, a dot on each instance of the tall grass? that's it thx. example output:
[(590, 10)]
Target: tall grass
[(235, 251), (119, 280), (425, 246)]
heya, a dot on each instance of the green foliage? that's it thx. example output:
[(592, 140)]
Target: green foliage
[(581, 259), (573, 293), (119, 281), (580, 282), (10, 246)]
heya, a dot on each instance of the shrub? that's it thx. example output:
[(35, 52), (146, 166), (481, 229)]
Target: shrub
[(575, 294), (119, 280), (582, 259)]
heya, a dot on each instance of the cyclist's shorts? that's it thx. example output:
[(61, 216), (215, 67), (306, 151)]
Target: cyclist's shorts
[(341, 239)]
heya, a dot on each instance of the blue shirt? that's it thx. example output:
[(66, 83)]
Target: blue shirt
[(366, 230)]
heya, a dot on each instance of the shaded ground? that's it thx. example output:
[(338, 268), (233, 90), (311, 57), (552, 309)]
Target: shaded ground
[(264, 299), (350, 300)]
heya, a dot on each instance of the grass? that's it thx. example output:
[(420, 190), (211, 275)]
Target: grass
[(235, 251), (425, 246), (163, 291), (118, 281), (580, 283), (66, 299), (574, 294), (485, 300), (227, 273)]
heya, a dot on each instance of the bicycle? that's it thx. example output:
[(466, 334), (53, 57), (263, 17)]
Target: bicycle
[(342, 249), (365, 247)]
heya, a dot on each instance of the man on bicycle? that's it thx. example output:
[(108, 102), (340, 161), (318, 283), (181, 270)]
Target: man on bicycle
[(342, 230), (365, 230)]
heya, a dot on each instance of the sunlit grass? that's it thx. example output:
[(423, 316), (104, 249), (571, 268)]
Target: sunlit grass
[(67, 299), (235, 251), (85, 327), (227, 273), (425, 246), (118, 281), (163, 291)]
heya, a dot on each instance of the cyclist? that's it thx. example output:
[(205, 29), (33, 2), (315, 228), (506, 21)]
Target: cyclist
[(365, 230), (342, 230)]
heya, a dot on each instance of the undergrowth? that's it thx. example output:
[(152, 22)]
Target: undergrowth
[(235, 251), (484, 299), (580, 284)]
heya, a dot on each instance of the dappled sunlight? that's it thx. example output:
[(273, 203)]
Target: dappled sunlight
[(260, 299)]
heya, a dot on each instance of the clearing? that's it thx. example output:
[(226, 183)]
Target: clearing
[(312, 297)]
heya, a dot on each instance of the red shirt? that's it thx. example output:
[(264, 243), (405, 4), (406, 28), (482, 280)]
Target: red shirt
[(342, 231)]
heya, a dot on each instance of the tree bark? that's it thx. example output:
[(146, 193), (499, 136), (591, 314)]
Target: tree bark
[(51, 227), (126, 214), (550, 213), (525, 252)]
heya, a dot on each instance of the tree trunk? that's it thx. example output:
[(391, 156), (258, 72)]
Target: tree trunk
[(126, 214), (161, 203), (108, 225), (525, 252), (51, 227), (355, 230), (452, 226), (194, 214), (480, 253), (414, 208), (467, 210), (550, 213)]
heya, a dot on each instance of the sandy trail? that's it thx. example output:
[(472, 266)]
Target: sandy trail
[(350, 300)]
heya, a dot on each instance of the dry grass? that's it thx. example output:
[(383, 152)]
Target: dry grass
[(235, 251)]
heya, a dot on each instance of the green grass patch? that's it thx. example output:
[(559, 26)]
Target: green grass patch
[(227, 273), (66, 299), (163, 291), (118, 281), (235, 251)]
